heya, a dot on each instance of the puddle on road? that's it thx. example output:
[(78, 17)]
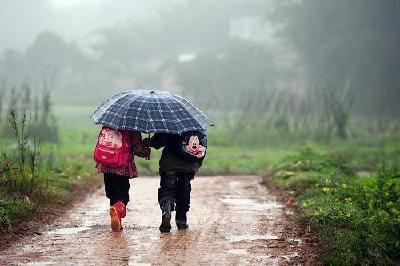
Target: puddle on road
[(245, 204), (235, 185), (40, 263), (90, 216), (239, 251), (68, 231), (239, 238)]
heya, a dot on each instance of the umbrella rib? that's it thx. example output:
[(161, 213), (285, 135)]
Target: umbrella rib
[(102, 108), (122, 105), (160, 111), (162, 115), (176, 117), (181, 103), (141, 107), (149, 116)]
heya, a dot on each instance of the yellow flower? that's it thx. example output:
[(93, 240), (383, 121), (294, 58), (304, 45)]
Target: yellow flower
[(348, 199), (325, 189), (344, 185)]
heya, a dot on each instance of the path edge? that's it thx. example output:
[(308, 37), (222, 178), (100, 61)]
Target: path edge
[(48, 213), (313, 248)]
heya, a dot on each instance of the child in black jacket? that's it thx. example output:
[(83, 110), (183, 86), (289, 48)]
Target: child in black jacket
[(176, 173)]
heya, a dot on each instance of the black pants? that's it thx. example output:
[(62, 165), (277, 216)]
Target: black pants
[(175, 187), (117, 188)]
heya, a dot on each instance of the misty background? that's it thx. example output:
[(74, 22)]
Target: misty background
[(297, 67)]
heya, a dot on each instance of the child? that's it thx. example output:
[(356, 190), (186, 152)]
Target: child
[(176, 171), (116, 179)]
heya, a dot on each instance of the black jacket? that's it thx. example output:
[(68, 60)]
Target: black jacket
[(169, 161)]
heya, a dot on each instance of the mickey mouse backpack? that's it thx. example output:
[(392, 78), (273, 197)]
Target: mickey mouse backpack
[(192, 146), (113, 148)]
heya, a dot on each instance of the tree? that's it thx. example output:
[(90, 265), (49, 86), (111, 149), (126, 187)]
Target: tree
[(349, 41)]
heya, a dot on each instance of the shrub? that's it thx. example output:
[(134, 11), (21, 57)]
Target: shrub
[(358, 217)]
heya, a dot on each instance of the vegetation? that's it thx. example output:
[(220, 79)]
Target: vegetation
[(357, 216), (45, 177), (31, 172)]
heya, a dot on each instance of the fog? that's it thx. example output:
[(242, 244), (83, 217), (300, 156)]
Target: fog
[(72, 20), (298, 66)]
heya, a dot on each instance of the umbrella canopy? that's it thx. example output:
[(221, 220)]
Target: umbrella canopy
[(150, 112)]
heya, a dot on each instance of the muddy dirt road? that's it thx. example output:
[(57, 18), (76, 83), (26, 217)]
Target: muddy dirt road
[(233, 221)]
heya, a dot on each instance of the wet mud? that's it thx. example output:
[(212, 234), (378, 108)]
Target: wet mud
[(233, 221)]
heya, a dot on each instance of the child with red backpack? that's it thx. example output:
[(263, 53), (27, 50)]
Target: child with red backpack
[(180, 160), (114, 157)]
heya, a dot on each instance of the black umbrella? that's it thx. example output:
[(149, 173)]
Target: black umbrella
[(150, 112)]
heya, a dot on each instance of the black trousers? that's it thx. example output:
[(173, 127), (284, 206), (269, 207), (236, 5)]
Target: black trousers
[(175, 187), (117, 188)]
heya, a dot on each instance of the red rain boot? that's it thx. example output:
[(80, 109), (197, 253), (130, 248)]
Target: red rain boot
[(117, 211)]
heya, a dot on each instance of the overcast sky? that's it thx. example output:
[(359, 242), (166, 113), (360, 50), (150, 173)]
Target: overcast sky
[(22, 20)]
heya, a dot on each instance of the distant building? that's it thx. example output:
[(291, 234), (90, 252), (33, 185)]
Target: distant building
[(251, 28)]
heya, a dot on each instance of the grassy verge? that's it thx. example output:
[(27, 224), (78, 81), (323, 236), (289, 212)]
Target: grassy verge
[(59, 173), (13, 210), (358, 217)]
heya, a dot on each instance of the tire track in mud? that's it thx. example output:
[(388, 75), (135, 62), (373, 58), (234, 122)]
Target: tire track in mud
[(233, 220)]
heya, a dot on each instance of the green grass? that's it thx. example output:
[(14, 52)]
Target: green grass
[(60, 168), (77, 144), (13, 210), (358, 217), (241, 160)]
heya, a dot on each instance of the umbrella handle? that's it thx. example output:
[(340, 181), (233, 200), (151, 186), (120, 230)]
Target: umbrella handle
[(148, 157)]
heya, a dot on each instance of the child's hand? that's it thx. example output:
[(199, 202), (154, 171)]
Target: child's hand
[(146, 142), (147, 152)]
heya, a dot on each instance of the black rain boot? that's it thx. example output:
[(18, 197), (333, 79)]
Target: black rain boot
[(165, 226), (181, 220)]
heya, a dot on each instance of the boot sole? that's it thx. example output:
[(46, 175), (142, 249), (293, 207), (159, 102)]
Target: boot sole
[(115, 221)]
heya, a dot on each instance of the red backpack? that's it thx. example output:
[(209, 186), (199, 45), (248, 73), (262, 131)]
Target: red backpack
[(113, 148)]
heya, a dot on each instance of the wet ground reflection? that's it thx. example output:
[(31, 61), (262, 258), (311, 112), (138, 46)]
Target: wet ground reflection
[(233, 220)]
